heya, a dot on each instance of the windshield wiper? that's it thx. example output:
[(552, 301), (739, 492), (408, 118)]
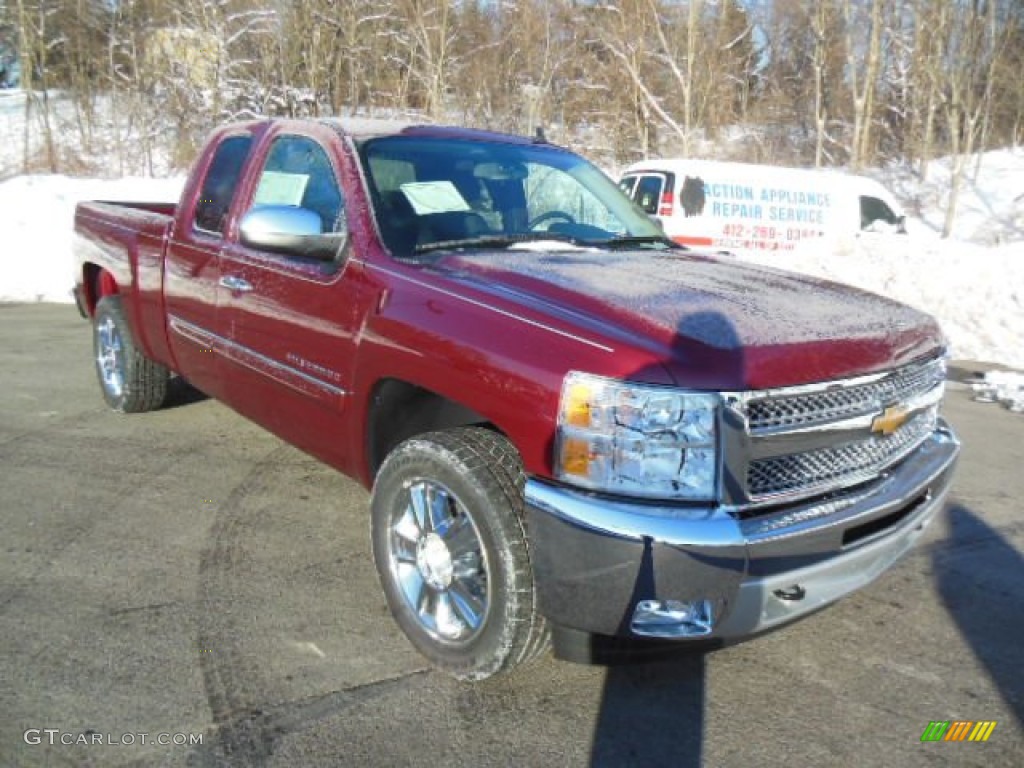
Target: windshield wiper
[(498, 241), (628, 241)]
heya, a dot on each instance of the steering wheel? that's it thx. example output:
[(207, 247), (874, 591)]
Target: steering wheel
[(532, 224)]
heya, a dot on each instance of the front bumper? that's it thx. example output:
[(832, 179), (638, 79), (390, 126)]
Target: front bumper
[(595, 559)]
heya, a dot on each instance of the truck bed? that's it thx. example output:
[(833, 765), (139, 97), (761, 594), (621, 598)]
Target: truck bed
[(128, 240), (124, 208)]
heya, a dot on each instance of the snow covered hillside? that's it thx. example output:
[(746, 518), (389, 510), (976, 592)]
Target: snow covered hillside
[(990, 209), (973, 283)]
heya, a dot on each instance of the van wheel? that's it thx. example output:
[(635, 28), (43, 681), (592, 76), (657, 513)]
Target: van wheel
[(451, 552), (131, 382)]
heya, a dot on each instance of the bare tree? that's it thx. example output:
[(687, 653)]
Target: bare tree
[(824, 20), (835, 81), (976, 42), (36, 38), (642, 38), (863, 73), (426, 41)]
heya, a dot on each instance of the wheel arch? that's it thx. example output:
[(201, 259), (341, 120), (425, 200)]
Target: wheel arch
[(97, 283), (399, 410)]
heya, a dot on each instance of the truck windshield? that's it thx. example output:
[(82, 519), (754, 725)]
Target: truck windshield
[(434, 193)]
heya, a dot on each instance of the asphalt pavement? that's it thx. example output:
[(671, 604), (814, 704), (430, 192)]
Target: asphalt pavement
[(184, 576)]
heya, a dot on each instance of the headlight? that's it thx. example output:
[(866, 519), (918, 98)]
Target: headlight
[(637, 439)]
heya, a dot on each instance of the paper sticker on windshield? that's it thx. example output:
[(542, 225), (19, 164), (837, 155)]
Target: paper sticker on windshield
[(277, 188), (434, 197)]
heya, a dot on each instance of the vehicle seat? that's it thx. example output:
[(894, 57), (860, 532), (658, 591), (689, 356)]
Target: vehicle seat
[(399, 225), (451, 225), (323, 196)]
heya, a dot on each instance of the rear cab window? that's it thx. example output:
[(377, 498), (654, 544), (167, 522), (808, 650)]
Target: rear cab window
[(219, 186)]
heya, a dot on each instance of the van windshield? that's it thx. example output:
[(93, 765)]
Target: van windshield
[(433, 194)]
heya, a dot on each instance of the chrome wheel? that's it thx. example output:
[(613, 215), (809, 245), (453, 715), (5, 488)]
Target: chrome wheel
[(110, 356), (438, 561), (130, 381), (449, 543)]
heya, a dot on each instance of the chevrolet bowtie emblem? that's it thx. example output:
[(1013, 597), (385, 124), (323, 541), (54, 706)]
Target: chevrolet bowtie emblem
[(889, 420)]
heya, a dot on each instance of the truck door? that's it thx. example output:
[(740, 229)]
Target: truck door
[(192, 268), (289, 320)]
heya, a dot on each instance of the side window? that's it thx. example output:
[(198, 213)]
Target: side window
[(220, 183), (298, 172), (648, 193), (627, 184), (873, 210)]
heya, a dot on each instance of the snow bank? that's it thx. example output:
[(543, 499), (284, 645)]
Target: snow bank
[(976, 293), (990, 207), (36, 222), (1004, 387)]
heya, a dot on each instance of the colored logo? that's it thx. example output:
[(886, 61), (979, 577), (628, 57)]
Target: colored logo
[(889, 420), (958, 730)]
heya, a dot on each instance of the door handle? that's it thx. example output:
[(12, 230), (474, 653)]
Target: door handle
[(235, 284)]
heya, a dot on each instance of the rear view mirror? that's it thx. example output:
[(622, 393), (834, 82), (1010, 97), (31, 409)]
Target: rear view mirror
[(491, 171), (289, 230)]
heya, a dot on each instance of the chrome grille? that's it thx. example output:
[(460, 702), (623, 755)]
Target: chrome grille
[(777, 412), (840, 465)]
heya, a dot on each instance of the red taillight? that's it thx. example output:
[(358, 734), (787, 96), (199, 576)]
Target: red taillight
[(666, 205)]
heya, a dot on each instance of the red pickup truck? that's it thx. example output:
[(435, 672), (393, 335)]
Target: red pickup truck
[(572, 427)]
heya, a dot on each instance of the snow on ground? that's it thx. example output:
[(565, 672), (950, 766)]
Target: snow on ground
[(36, 223), (976, 293), (1006, 387)]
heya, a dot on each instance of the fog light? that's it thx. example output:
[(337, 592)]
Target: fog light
[(672, 618)]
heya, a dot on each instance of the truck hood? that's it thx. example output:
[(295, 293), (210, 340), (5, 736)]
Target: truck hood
[(712, 322)]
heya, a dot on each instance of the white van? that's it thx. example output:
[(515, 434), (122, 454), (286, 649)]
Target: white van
[(738, 207)]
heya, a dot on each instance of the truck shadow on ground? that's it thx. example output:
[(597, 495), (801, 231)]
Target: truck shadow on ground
[(979, 584), (654, 695), (181, 393), (652, 713)]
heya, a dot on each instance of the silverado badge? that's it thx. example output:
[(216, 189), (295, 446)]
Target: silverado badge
[(889, 420)]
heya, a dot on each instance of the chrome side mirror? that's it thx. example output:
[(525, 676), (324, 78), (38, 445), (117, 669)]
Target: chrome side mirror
[(289, 230)]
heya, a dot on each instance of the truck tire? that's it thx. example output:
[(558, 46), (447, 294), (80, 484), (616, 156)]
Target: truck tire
[(450, 548), (130, 381)]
